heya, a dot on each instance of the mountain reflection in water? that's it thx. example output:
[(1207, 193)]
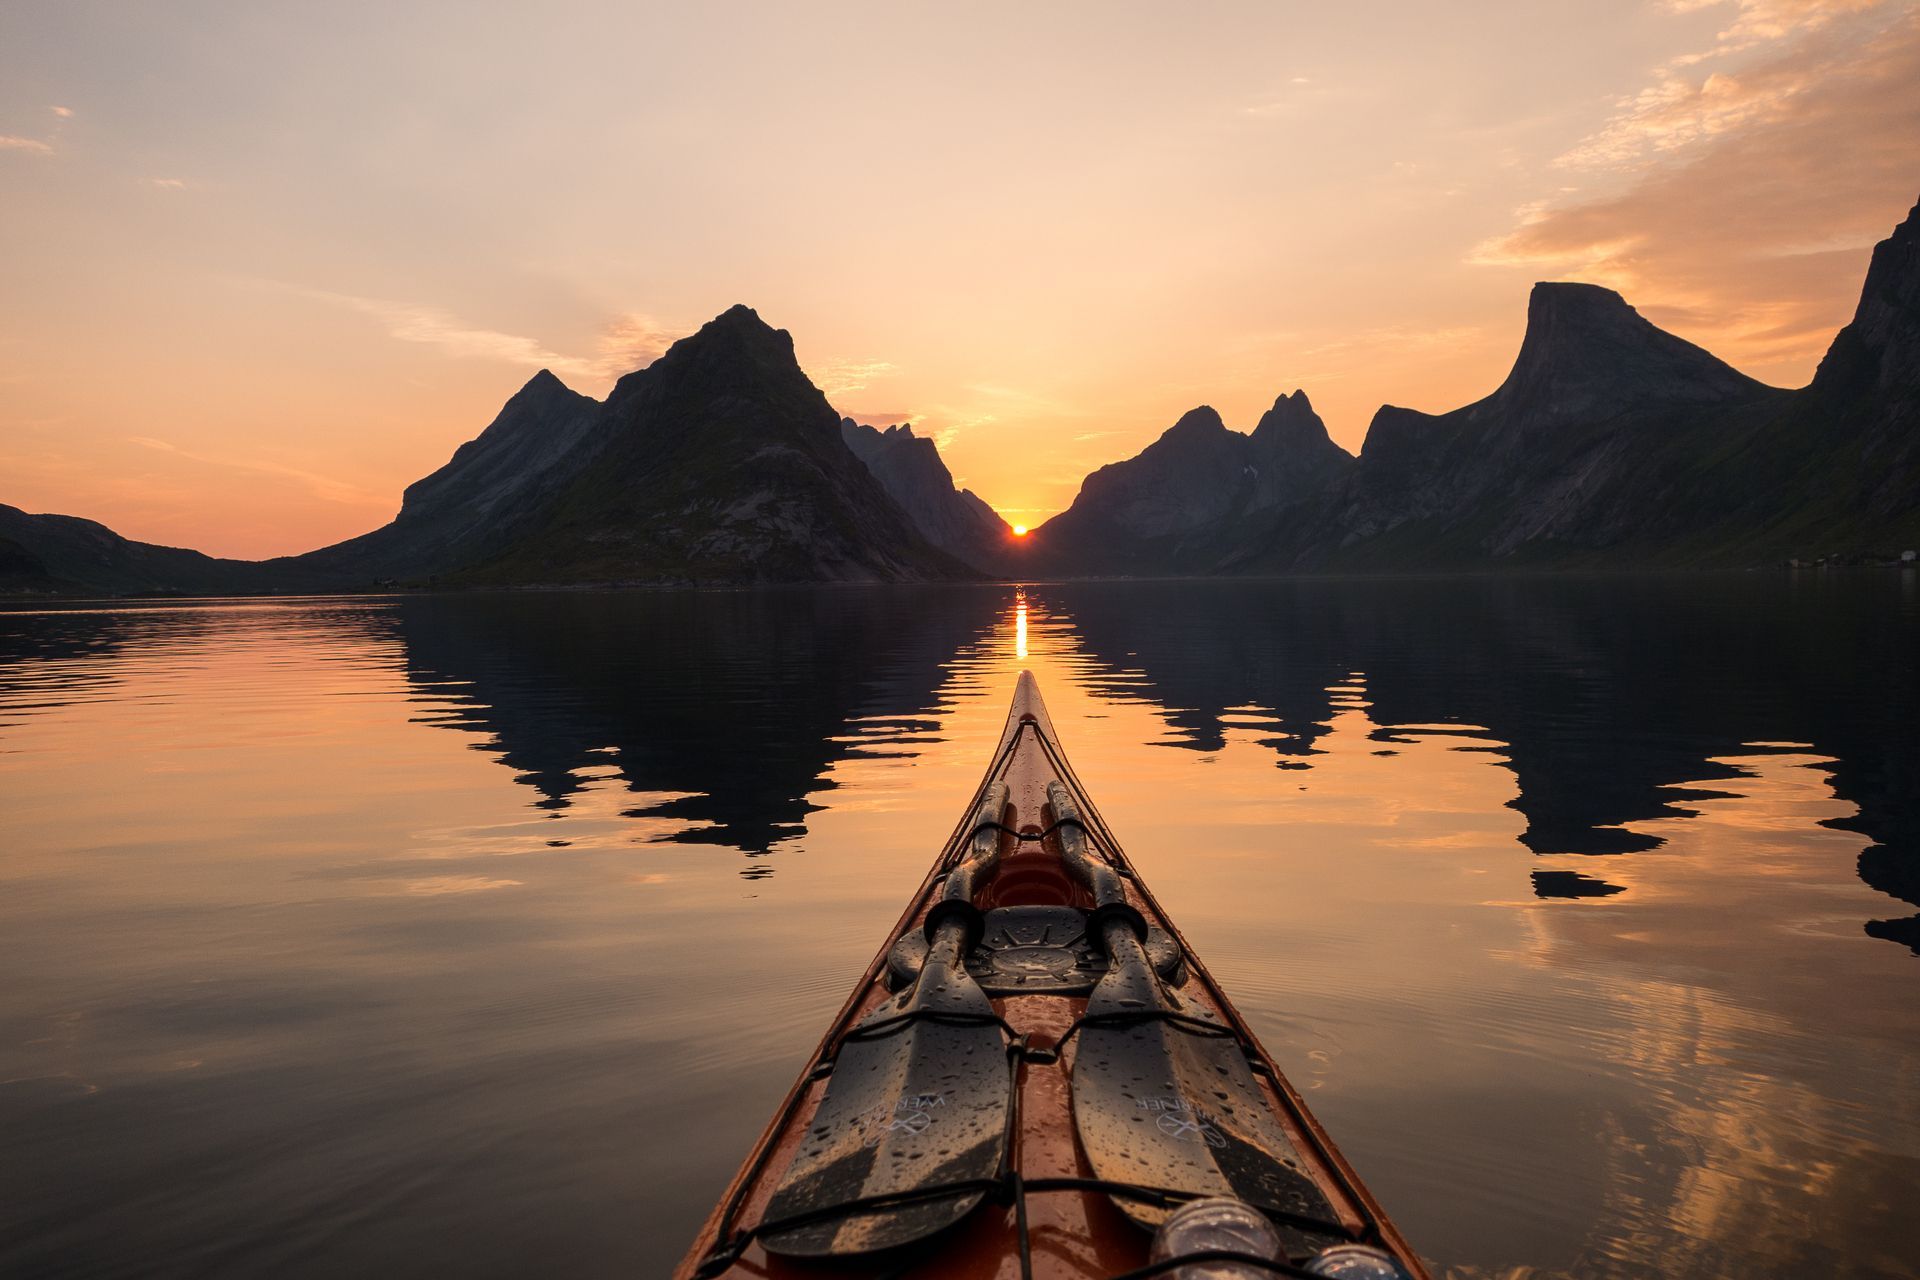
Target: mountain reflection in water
[(484, 932)]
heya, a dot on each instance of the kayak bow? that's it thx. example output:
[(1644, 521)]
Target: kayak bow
[(1032, 1076)]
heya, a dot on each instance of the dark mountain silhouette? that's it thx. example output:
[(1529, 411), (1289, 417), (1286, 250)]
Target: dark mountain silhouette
[(1568, 459), (1611, 443), (909, 467), (69, 555), (1166, 509), (718, 463), (1615, 444), (21, 569), (471, 509)]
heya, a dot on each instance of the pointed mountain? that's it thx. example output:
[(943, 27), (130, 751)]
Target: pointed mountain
[(536, 429), (473, 507), (1165, 509), (718, 463), (1292, 452), (1880, 350), (1849, 450), (911, 470)]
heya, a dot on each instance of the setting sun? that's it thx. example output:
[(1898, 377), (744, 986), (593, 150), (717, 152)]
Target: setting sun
[(1019, 531)]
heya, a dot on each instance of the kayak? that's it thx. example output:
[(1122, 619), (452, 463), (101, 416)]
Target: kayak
[(1037, 1079)]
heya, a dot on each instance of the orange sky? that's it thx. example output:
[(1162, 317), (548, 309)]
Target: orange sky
[(264, 264)]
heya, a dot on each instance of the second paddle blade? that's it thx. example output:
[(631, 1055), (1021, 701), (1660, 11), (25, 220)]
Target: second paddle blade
[(1179, 1110), (915, 1108)]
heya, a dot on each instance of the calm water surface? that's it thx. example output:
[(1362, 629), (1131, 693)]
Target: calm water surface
[(480, 936)]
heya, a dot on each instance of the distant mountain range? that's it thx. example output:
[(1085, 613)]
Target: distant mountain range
[(909, 468), (1610, 444)]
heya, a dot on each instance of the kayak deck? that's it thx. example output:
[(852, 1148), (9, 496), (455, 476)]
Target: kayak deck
[(1043, 1213)]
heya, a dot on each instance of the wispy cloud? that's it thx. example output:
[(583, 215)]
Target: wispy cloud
[(325, 488), (627, 342), (1744, 199), (35, 146), (174, 184), (1688, 104), (1761, 21), (878, 417), (843, 377), (434, 327), (634, 341), (1297, 95)]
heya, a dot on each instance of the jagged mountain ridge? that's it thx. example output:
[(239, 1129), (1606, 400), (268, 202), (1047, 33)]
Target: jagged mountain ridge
[(1610, 444), (1166, 509), (1595, 393), (718, 463), (910, 468), (1627, 447)]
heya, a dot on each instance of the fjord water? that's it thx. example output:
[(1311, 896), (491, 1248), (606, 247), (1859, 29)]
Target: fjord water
[(481, 935)]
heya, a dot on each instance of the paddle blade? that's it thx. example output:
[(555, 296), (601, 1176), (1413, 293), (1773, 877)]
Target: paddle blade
[(1179, 1110), (915, 1108)]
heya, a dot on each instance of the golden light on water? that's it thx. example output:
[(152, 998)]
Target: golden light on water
[(1020, 628)]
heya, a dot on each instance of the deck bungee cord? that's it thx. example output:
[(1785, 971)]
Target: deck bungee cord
[(1037, 1075)]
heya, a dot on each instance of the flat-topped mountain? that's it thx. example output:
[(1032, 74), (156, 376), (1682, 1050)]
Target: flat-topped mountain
[(1596, 394), (1610, 443), (1589, 356), (1614, 444), (909, 467)]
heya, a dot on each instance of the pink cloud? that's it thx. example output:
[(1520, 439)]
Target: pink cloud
[(1752, 198)]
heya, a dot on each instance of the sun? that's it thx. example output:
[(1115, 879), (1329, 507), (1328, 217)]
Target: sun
[(1019, 531)]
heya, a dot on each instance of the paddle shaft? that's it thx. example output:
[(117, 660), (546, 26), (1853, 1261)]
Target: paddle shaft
[(983, 859), (922, 1100)]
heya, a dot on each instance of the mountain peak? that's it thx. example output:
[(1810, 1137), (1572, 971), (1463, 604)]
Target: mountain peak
[(1196, 421), (1291, 419), (1572, 296), (1881, 347), (545, 383), (735, 345), (742, 322), (1588, 355)]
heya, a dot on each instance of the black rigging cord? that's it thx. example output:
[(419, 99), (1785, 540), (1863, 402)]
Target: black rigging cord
[(1008, 1186)]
